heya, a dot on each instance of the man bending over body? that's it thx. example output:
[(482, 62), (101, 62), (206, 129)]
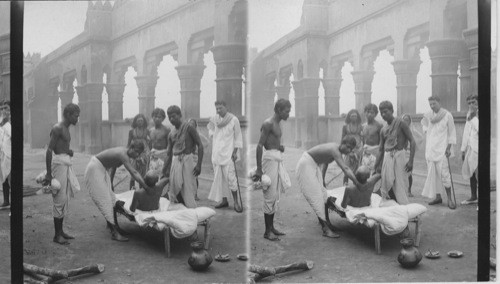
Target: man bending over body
[(312, 179), (100, 183), (148, 201)]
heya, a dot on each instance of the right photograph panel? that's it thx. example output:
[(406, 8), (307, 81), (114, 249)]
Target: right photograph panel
[(363, 148)]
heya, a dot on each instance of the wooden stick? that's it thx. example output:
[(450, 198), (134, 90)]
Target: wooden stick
[(262, 272), (41, 278), (30, 280), (94, 268), (56, 274)]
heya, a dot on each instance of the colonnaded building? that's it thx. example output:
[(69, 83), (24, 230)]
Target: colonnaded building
[(138, 34), (355, 31)]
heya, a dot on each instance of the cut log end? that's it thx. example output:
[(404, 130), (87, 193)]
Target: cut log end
[(309, 264)]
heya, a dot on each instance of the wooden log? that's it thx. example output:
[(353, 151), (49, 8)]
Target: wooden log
[(94, 268), (42, 278), (56, 274), (30, 280), (262, 271)]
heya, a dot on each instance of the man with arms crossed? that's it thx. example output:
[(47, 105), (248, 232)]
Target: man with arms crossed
[(100, 183), (226, 132), (311, 170), (59, 166), (440, 132), (179, 165), (270, 162), (393, 139)]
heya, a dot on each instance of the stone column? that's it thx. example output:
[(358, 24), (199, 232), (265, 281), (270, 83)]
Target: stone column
[(66, 97), (406, 85), (362, 88), (332, 96), (190, 77), (115, 100), (310, 101), (444, 55), (146, 86), (298, 88), (465, 83), (471, 40), (283, 91), (229, 60), (81, 91), (94, 118)]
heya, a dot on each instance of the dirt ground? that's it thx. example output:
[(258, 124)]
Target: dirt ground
[(142, 259), (352, 257), (4, 246)]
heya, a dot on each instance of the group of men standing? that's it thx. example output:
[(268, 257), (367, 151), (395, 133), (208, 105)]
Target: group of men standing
[(388, 149), (176, 154)]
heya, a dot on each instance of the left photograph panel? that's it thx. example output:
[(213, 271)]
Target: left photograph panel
[(135, 141), (5, 142)]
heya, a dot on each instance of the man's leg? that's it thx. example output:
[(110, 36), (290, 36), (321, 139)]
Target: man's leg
[(232, 183), (273, 229), (6, 192), (268, 234), (58, 238), (446, 180), (473, 190)]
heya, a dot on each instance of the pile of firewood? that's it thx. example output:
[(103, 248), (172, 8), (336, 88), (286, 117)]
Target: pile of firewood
[(42, 275)]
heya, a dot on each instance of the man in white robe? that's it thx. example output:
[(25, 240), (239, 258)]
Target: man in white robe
[(440, 132), (225, 130), (5, 153), (470, 142)]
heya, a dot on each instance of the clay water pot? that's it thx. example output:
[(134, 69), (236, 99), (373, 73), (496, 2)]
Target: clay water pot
[(200, 259), (409, 256)]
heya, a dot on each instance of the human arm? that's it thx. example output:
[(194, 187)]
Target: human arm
[(409, 136), (162, 182), (55, 134), (112, 177), (135, 175), (373, 180), (347, 198), (344, 132), (380, 155), (238, 138), (347, 171), (264, 133), (168, 160), (451, 133), (196, 138), (324, 168), (130, 137)]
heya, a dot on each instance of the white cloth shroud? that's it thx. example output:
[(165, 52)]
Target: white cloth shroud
[(183, 221), (393, 218)]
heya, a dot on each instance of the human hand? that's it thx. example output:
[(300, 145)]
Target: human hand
[(234, 156), (281, 148), (197, 170), (463, 156), (70, 153), (258, 175), (409, 166), (47, 180), (447, 153)]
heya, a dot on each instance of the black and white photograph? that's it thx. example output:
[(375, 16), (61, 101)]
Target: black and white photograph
[(245, 141)]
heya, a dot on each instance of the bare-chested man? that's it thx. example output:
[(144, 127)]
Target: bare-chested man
[(270, 163), (159, 141), (100, 183), (59, 167), (179, 164), (393, 140), (311, 170), (360, 196), (371, 134)]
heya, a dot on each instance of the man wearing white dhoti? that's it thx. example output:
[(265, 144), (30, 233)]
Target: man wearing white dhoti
[(99, 182), (395, 167), (225, 130), (311, 170), (59, 167), (270, 163), (470, 142), (440, 132), (5, 152)]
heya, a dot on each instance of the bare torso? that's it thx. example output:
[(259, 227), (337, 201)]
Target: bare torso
[(159, 137), (273, 139), (402, 140), (371, 133), (189, 140), (357, 198), (325, 153), (113, 157), (60, 133)]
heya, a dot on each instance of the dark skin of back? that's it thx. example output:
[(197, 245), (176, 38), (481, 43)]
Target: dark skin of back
[(145, 201), (360, 196)]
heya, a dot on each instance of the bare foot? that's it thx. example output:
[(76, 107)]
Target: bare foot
[(436, 201), (329, 233), (270, 236), (60, 240), (222, 204), (276, 232)]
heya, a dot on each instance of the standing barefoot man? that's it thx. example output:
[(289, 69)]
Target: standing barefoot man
[(59, 165), (270, 163)]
